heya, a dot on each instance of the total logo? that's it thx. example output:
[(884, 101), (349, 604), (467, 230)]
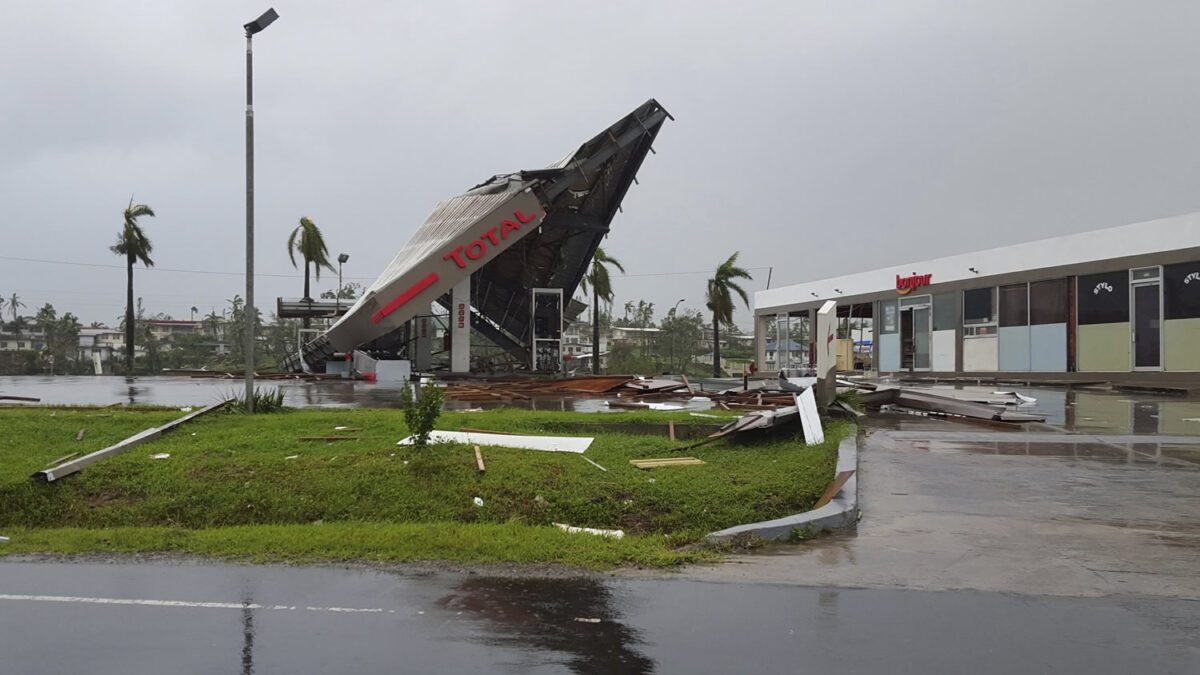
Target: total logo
[(1102, 286)]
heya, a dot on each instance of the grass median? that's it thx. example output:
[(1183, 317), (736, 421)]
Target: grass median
[(247, 486)]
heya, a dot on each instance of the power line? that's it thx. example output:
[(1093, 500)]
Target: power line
[(291, 276)]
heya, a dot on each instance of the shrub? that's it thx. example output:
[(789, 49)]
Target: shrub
[(421, 415), (265, 401)]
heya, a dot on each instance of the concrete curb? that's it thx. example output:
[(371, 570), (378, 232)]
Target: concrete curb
[(841, 512)]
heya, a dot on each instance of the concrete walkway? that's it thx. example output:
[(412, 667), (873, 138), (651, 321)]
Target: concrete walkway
[(945, 507)]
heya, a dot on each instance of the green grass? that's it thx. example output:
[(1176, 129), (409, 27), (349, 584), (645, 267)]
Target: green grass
[(228, 488)]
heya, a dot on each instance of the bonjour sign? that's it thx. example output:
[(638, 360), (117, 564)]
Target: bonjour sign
[(906, 285)]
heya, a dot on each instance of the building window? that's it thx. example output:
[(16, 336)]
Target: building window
[(1181, 291), (1014, 305), (1104, 298), (945, 311), (979, 306), (1049, 302), (891, 320)]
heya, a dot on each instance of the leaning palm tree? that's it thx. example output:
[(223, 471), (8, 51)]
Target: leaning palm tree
[(134, 245), (720, 301), (601, 286), (306, 240)]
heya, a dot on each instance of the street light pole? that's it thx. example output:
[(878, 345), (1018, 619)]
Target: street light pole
[(251, 28), (673, 333), (342, 257)]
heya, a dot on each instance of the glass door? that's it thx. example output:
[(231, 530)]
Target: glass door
[(920, 338), (907, 348), (1147, 327)]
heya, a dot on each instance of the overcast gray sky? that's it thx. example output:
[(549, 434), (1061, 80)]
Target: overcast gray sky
[(819, 138)]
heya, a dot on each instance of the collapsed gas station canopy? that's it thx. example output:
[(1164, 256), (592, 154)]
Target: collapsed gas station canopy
[(512, 233)]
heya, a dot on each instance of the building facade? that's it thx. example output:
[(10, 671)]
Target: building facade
[(1119, 300)]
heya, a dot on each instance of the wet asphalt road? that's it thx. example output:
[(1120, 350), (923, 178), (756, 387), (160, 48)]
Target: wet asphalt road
[(69, 618), (1071, 547)]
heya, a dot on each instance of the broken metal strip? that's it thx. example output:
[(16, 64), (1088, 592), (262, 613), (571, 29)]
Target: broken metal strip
[(53, 474)]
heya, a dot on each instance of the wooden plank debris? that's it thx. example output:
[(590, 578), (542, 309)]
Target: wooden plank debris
[(329, 439), (79, 436), (671, 429), (53, 474), (839, 481), (27, 399), (645, 464), (479, 460)]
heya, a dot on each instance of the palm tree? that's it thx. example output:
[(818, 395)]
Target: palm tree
[(306, 240), (720, 301), (601, 288), (194, 310), (14, 303), (134, 245)]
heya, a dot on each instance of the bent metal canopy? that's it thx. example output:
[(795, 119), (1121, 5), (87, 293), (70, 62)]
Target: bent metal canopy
[(514, 232)]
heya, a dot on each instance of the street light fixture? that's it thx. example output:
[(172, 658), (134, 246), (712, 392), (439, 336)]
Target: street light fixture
[(255, 26), (342, 258)]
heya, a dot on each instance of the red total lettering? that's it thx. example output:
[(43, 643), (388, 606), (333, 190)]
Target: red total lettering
[(522, 217), (491, 236), (456, 255), (477, 244), (506, 227)]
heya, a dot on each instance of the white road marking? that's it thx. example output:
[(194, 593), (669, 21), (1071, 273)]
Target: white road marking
[(184, 603)]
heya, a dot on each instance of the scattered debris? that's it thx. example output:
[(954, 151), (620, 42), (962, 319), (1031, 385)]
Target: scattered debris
[(1191, 419), (62, 459), (53, 474), (329, 439), (79, 436), (949, 406), (347, 428), (671, 429), (186, 409), (3, 539), (645, 464), (478, 501), (291, 457), (615, 534), (479, 459), (836, 486), (545, 443), (581, 619), (715, 417), (27, 399), (809, 418), (161, 455), (594, 464)]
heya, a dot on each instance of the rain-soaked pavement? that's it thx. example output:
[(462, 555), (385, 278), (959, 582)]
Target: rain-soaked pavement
[(130, 619), (1068, 547)]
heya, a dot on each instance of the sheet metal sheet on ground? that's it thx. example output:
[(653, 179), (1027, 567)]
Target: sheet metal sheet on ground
[(544, 443)]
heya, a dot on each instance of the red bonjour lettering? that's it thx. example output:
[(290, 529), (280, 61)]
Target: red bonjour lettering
[(522, 217), (457, 258), (491, 236), (482, 249), (506, 227)]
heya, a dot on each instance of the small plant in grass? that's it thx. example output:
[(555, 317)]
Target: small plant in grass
[(265, 401), (420, 416)]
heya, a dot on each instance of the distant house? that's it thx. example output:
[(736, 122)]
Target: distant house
[(795, 353)]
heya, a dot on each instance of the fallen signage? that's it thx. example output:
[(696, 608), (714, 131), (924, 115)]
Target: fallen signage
[(74, 466), (543, 443), (810, 419)]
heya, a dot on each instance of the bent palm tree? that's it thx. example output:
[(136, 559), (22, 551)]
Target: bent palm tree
[(134, 245), (601, 286), (720, 301), (306, 240)]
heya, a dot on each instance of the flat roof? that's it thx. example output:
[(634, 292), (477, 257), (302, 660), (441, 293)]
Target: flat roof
[(1153, 236)]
